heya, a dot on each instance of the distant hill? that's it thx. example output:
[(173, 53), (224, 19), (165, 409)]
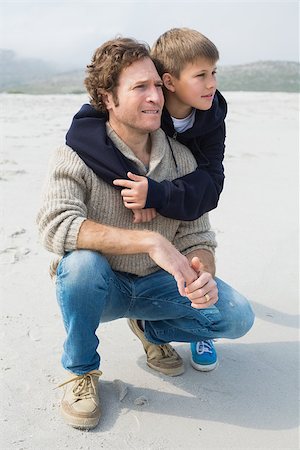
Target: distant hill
[(15, 71), (33, 76), (60, 83), (274, 76)]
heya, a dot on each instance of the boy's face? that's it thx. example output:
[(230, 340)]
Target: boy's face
[(140, 100), (195, 88)]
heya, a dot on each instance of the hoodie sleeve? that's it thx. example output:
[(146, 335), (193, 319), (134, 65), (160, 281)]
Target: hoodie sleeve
[(87, 137), (198, 192)]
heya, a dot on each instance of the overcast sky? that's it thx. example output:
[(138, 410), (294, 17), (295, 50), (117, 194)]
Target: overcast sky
[(68, 31)]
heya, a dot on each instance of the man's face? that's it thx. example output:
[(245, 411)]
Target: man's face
[(140, 100), (196, 86)]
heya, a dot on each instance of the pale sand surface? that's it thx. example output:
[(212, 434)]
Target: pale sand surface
[(250, 400)]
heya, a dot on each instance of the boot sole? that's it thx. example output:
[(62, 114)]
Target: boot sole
[(170, 372), (173, 372)]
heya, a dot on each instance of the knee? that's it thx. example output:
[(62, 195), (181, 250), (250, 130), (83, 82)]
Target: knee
[(237, 314), (241, 320), (82, 268)]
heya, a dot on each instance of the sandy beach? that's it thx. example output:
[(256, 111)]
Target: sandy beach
[(251, 400)]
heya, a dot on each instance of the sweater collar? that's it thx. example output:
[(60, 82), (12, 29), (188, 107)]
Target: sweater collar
[(158, 149)]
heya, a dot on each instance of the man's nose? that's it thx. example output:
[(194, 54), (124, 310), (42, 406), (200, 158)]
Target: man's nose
[(155, 95)]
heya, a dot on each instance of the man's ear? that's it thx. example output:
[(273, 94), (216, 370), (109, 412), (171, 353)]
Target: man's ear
[(168, 82), (107, 99)]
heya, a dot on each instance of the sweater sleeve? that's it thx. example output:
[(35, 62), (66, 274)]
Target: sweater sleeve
[(195, 235), (190, 196), (63, 207)]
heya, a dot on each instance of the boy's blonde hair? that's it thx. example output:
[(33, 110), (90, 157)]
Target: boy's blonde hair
[(177, 47)]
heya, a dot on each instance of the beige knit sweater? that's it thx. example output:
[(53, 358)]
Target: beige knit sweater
[(73, 193)]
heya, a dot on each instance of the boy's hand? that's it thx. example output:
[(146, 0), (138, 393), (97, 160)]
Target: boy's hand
[(135, 192), (143, 215), (202, 292)]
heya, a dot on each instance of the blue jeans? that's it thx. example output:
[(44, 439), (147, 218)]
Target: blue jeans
[(90, 292)]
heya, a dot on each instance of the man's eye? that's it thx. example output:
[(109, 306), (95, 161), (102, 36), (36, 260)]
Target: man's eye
[(214, 72)]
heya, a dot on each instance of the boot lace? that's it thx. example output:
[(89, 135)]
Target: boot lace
[(85, 385), (167, 351)]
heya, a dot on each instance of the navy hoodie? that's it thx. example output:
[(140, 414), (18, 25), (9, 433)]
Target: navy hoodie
[(185, 198)]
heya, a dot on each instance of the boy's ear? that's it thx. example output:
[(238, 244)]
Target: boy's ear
[(168, 82)]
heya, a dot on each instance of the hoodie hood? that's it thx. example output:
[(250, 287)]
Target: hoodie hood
[(87, 136)]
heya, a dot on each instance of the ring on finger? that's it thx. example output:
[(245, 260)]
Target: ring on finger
[(207, 298)]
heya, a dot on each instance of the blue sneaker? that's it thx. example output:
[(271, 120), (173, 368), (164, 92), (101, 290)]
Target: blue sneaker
[(204, 356)]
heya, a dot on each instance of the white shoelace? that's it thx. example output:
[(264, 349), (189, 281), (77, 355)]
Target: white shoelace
[(204, 347)]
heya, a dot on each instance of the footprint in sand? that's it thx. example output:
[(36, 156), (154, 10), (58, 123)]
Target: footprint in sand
[(34, 334), (12, 255), (18, 233), (7, 172)]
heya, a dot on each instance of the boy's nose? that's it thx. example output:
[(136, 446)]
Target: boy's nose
[(211, 82)]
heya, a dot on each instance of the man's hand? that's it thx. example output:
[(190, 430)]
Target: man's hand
[(165, 255), (143, 215), (120, 241), (135, 192), (202, 292)]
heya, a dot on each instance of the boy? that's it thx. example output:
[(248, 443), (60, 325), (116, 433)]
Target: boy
[(194, 114)]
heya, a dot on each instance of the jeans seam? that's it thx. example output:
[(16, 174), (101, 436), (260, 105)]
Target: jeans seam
[(187, 307), (132, 299), (60, 290)]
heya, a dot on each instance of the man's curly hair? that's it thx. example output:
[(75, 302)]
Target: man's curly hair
[(107, 63)]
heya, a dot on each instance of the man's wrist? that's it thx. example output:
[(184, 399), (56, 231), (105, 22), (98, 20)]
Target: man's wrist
[(151, 241)]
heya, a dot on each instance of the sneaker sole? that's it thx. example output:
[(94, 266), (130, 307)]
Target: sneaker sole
[(80, 423), (202, 367)]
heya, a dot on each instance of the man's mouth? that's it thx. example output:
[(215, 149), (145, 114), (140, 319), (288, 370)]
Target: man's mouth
[(152, 111)]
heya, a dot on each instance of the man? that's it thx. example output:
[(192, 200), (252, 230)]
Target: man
[(158, 275)]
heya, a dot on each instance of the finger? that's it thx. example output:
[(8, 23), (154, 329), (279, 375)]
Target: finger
[(198, 297), (137, 217), (209, 298), (196, 264), (126, 183), (152, 214), (203, 305), (134, 177), (128, 200), (202, 283), (146, 217), (130, 205), (127, 193)]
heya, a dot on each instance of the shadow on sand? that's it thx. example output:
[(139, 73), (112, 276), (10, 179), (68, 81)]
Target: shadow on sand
[(255, 386)]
